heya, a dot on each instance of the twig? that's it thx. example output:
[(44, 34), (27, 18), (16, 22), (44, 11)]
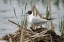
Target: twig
[(14, 23), (10, 39), (37, 35), (50, 38)]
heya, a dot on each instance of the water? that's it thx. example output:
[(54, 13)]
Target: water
[(6, 12), (2, 41)]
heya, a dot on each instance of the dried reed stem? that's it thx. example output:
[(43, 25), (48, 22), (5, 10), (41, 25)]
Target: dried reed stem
[(10, 40), (49, 5), (14, 23), (22, 35)]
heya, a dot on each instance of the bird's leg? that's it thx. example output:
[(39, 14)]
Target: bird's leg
[(36, 27), (33, 26)]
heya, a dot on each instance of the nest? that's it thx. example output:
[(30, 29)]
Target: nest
[(30, 36)]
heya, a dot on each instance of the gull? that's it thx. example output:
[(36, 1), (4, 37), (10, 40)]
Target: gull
[(37, 21)]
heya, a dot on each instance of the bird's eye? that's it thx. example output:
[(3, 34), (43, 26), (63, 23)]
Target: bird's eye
[(29, 12)]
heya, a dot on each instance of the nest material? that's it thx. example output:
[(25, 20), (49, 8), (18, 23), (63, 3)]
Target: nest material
[(43, 36)]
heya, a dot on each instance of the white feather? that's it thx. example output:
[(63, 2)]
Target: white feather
[(36, 20)]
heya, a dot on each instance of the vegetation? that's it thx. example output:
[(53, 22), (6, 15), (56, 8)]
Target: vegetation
[(62, 29), (23, 34)]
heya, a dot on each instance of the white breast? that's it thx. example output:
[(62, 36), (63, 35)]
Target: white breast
[(30, 17)]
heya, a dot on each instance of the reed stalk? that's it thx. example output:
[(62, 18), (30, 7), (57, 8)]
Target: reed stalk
[(24, 24), (49, 6), (51, 38), (22, 35), (37, 12), (22, 32), (52, 26), (10, 40)]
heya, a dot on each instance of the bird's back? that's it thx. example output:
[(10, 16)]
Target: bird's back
[(37, 20)]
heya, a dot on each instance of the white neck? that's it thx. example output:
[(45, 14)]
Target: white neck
[(30, 17)]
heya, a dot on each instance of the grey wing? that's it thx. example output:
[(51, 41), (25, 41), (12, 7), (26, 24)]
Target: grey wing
[(38, 20)]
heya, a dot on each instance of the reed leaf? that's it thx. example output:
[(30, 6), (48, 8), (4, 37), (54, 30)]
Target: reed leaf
[(63, 3), (15, 14), (59, 23), (21, 20), (57, 3), (31, 2), (43, 1), (60, 26), (26, 22), (19, 2), (47, 13), (62, 30), (5, 1), (25, 5)]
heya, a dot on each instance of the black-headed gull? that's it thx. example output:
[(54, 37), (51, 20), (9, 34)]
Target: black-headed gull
[(35, 20)]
